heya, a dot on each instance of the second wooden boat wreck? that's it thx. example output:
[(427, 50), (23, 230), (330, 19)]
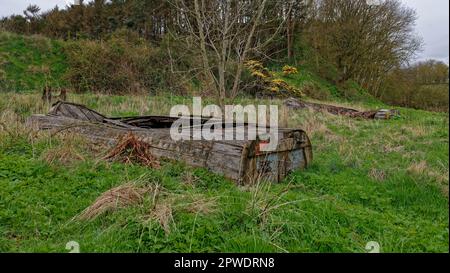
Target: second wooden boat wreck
[(295, 104), (240, 160)]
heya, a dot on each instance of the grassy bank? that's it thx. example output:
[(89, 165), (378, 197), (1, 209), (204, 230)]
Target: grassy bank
[(384, 181), (27, 63)]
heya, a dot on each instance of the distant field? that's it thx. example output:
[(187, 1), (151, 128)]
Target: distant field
[(383, 181)]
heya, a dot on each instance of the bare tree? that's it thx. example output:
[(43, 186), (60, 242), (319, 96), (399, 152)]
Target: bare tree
[(363, 41), (226, 33)]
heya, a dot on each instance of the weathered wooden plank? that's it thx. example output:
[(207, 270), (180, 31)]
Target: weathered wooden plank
[(336, 110), (241, 160)]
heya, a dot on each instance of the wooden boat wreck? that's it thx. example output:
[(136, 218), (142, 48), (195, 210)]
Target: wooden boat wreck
[(240, 160), (382, 114)]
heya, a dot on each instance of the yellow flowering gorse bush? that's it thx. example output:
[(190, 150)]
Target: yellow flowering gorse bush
[(269, 83), (289, 70)]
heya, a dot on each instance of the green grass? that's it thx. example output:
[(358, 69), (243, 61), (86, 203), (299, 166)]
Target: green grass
[(28, 63), (384, 181)]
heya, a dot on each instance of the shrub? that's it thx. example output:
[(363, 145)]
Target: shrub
[(289, 70), (122, 64), (110, 67), (264, 83)]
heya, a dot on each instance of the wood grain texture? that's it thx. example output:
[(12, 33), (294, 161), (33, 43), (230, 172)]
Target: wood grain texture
[(241, 161)]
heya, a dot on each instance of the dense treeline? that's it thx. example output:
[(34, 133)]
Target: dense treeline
[(150, 19), (363, 42), (429, 72), (181, 44), (422, 85)]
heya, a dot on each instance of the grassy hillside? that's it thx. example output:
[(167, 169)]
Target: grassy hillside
[(27, 63), (384, 181)]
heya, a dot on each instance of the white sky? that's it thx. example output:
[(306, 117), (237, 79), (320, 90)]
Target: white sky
[(432, 25)]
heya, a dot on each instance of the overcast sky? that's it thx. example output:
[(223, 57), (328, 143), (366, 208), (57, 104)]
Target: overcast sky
[(432, 25)]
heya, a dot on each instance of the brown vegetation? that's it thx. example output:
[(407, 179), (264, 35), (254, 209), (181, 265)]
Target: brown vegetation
[(131, 150), (49, 97), (423, 85), (116, 198)]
